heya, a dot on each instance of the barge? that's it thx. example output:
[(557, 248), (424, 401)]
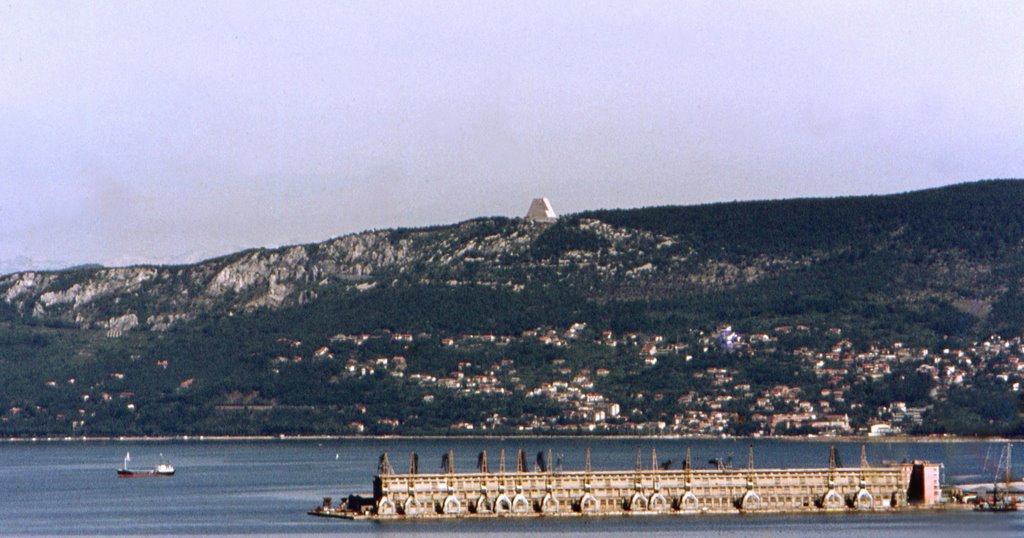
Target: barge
[(652, 490)]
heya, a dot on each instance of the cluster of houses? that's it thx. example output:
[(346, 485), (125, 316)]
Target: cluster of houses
[(720, 399), (723, 405)]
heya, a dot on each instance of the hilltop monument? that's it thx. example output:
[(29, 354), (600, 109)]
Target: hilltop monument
[(541, 211)]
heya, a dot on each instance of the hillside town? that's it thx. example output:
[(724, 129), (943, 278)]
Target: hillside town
[(712, 383), (655, 321), (720, 400)]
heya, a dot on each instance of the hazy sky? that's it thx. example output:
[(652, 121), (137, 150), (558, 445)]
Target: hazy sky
[(171, 130)]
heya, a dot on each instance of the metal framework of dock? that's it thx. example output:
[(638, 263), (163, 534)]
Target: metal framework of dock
[(654, 490)]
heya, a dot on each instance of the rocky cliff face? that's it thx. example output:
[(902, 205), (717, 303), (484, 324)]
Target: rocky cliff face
[(125, 298), (154, 298), (621, 262), (651, 254)]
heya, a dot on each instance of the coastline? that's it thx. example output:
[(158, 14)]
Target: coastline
[(271, 438)]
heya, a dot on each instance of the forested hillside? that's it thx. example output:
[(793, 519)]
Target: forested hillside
[(772, 318)]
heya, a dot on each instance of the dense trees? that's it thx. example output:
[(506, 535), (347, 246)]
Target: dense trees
[(933, 268)]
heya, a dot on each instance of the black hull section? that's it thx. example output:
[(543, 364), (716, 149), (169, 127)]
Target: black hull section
[(127, 473)]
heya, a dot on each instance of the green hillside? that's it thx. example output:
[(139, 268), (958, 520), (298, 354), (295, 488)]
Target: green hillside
[(742, 318)]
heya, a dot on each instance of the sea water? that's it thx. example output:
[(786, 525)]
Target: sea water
[(265, 487)]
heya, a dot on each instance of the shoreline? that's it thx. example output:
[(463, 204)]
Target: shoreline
[(271, 438)]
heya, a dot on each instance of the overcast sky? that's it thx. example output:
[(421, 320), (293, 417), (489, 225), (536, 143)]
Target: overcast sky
[(168, 131)]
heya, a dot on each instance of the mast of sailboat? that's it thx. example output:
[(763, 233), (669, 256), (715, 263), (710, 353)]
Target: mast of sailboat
[(1008, 474), (1002, 468)]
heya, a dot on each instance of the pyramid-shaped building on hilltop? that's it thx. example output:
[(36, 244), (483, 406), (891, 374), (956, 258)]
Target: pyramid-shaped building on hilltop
[(541, 211)]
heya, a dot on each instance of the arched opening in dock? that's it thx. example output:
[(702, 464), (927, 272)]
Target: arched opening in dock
[(658, 503), (412, 507), (549, 504), (451, 505), (589, 503), (864, 500), (751, 501), (832, 500), (689, 502), (638, 502), (502, 505), (520, 504), (386, 507)]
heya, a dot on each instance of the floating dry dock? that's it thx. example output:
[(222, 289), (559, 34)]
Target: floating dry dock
[(654, 490)]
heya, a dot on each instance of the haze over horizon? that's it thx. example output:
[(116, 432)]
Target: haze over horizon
[(150, 132)]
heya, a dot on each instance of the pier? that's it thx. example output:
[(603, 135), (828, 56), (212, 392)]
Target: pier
[(644, 490)]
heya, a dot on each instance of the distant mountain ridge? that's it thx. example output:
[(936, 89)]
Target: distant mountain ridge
[(956, 247), (754, 318), (21, 264)]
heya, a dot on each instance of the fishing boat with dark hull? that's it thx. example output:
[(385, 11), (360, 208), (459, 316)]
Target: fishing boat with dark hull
[(548, 491), (164, 468)]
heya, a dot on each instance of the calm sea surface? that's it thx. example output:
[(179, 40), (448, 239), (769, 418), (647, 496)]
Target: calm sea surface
[(265, 488)]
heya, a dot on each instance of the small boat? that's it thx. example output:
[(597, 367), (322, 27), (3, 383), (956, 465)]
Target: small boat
[(162, 469), (1001, 501)]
